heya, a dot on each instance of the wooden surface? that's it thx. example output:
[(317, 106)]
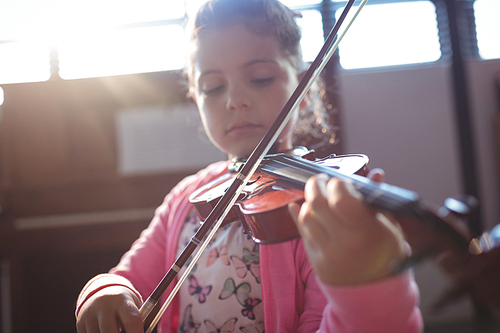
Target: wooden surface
[(58, 144), (49, 266), (67, 214)]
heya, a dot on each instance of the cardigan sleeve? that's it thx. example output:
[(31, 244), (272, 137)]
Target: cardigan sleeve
[(295, 300), (386, 306), (144, 265), (140, 268), (155, 251)]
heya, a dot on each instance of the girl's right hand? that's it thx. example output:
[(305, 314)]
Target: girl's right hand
[(111, 310)]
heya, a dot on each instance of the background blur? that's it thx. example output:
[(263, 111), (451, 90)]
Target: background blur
[(95, 129)]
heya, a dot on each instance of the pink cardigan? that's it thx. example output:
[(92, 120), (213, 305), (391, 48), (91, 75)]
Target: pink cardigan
[(293, 299)]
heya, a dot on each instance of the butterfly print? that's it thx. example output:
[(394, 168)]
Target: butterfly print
[(214, 254), (251, 256), (250, 304), (253, 328), (195, 289), (242, 267), (241, 291), (192, 218), (193, 221), (188, 325), (227, 327)]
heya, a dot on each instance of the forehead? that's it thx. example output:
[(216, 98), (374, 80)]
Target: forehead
[(234, 46)]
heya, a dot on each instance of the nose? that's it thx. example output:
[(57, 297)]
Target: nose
[(238, 100)]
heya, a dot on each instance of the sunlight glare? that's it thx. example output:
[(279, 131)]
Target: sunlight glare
[(24, 62), (312, 33), (295, 3), (88, 31), (391, 34), (123, 51), (488, 28)]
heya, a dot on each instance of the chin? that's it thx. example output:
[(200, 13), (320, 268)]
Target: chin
[(242, 152), (241, 149)]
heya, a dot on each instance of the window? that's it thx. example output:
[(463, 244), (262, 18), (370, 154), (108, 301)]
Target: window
[(391, 34), (26, 61), (312, 34), (488, 28), (131, 36), (90, 38), (123, 51), (125, 37)]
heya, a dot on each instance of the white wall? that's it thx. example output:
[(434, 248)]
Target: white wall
[(403, 119)]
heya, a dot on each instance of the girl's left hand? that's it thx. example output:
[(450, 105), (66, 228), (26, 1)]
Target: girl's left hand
[(347, 241)]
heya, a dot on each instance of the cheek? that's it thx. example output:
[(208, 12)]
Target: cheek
[(212, 123), (204, 114), (277, 98), (287, 87)]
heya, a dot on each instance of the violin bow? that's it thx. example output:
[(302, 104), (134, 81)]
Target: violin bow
[(222, 208)]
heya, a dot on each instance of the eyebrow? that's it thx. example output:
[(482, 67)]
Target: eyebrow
[(246, 65), (257, 61), (211, 71)]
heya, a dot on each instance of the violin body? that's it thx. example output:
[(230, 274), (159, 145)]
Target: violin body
[(263, 204)]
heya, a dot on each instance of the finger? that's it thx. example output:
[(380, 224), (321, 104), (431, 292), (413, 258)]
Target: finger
[(315, 194), (346, 204), (91, 326), (130, 318), (376, 175), (87, 321), (315, 188), (316, 213), (80, 327), (304, 231), (107, 324), (294, 209), (315, 231)]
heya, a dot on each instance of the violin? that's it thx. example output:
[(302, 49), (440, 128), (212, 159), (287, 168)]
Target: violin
[(279, 180), (262, 208)]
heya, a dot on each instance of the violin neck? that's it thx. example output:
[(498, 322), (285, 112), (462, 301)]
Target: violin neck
[(384, 196), (380, 195)]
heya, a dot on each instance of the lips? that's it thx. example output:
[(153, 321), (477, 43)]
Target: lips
[(242, 127)]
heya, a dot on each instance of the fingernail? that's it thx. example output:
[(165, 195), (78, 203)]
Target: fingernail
[(379, 171), (322, 181)]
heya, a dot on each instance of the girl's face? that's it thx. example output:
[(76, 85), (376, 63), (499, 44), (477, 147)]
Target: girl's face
[(241, 81)]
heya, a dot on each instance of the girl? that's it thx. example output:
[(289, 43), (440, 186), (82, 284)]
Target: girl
[(243, 67)]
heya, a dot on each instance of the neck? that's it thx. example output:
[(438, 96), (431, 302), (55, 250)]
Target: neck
[(275, 148)]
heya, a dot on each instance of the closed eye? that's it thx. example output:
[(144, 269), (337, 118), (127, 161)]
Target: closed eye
[(261, 82), (213, 91)]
